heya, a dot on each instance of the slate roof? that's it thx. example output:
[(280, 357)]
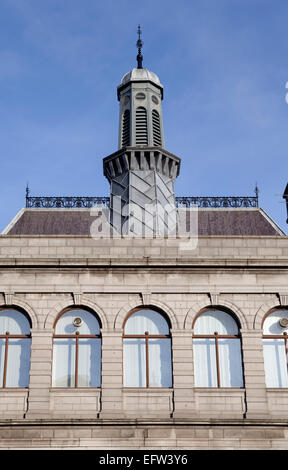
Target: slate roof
[(241, 222)]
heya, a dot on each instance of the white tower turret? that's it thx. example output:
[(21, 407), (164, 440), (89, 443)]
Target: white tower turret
[(141, 173)]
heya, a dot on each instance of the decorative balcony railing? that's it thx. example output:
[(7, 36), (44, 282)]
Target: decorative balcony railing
[(68, 202), (217, 201)]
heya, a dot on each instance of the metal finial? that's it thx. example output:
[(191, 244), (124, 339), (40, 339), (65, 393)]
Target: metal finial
[(139, 44), (285, 196), (256, 190), (27, 190)]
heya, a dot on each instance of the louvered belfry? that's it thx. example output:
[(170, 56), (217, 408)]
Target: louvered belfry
[(125, 135), (141, 173), (157, 139), (141, 131), (140, 94)]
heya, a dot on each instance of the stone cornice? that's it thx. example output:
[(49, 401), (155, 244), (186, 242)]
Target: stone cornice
[(141, 158)]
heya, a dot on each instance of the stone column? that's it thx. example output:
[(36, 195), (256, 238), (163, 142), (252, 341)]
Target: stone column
[(182, 356), (254, 374), (40, 374), (112, 373)]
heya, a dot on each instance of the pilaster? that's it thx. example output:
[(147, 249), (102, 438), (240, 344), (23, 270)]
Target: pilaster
[(254, 374), (182, 356), (112, 373), (40, 374)]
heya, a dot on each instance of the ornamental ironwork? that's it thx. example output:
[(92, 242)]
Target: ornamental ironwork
[(81, 202), (66, 202), (217, 201)]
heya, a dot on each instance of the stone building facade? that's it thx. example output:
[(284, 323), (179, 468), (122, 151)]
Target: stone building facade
[(51, 264)]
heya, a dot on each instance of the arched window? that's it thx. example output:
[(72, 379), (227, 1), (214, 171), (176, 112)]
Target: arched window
[(141, 126), (275, 344), (217, 350), (157, 141), (147, 350), (77, 350), (15, 345), (126, 128)]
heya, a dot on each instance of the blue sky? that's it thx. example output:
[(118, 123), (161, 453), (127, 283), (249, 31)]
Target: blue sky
[(224, 67)]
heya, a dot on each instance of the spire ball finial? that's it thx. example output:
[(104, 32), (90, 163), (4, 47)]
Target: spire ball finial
[(139, 44)]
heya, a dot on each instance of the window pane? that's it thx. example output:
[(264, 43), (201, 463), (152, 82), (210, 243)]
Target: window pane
[(230, 362), (18, 362), (90, 325), (215, 320), (134, 361), (2, 353), (160, 363), (14, 322), (146, 320), (89, 363), (205, 371), (64, 363), (275, 363)]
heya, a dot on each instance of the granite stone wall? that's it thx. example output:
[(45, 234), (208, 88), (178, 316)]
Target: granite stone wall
[(45, 275)]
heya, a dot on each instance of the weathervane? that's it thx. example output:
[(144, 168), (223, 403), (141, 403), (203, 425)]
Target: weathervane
[(139, 44)]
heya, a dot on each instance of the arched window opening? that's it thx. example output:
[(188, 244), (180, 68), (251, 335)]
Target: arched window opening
[(275, 344), (147, 350), (77, 350), (126, 128), (141, 126), (15, 346), (157, 141), (217, 350)]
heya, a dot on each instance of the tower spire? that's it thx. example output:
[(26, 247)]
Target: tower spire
[(139, 44)]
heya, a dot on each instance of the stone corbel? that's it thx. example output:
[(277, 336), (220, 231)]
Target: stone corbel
[(283, 299), (77, 298), (8, 298), (214, 297), (146, 297)]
